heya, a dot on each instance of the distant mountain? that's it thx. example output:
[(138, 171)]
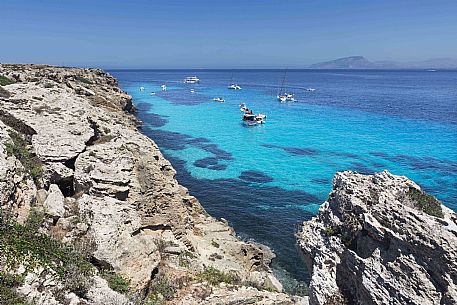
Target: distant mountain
[(360, 62), (353, 62)]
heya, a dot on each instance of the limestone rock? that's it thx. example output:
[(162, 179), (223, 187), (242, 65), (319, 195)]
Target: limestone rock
[(54, 203), (369, 244)]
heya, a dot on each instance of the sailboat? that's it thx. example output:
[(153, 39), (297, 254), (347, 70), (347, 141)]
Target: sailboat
[(283, 96), (233, 86)]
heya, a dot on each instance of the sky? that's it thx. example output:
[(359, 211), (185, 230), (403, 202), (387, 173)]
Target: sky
[(223, 34)]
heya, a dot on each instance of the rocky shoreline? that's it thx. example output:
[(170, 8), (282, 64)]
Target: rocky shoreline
[(91, 213), (381, 240), (71, 152)]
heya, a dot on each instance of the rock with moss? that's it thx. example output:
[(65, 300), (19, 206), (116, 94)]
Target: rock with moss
[(380, 239)]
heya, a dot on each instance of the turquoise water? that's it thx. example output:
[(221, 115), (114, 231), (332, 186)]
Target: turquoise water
[(267, 179)]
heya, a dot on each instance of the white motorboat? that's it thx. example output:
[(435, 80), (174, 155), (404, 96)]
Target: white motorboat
[(260, 118), (234, 87), (192, 90), (152, 93), (290, 98), (218, 99), (141, 88), (164, 87), (243, 107), (310, 89), (282, 98), (191, 80), (249, 119)]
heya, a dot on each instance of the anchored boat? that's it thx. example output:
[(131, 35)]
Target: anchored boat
[(249, 119), (282, 95), (218, 99), (191, 80), (233, 85)]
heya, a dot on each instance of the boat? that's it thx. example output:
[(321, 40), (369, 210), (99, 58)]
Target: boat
[(192, 90), (234, 87), (218, 99), (249, 119), (310, 89), (260, 118), (141, 88), (243, 107), (152, 93), (284, 96), (164, 87), (191, 80)]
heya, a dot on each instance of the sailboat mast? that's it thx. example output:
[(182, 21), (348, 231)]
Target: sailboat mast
[(283, 81)]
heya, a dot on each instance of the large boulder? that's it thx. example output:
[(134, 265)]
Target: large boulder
[(375, 242)]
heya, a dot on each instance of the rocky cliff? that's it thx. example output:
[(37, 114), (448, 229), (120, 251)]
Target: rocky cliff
[(92, 212), (381, 240)]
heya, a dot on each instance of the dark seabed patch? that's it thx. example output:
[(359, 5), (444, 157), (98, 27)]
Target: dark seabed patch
[(445, 167), (361, 168), (255, 177), (238, 201), (154, 120), (210, 163), (379, 154), (346, 155), (322, 181), (183, 96), (378, 165), (179, 141), (296, 151)]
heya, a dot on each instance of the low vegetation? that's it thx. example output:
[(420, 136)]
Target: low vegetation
[(24, 245), (8, 296), (5, 81), (214, 277), (425, 202), (18, 147), (185, 258), (161, 290), (116, 282), (331, 230)]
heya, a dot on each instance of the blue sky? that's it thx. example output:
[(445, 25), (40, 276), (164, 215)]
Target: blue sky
[(223, 34)]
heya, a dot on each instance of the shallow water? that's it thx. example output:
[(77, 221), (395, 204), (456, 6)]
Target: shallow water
[(266, 180)]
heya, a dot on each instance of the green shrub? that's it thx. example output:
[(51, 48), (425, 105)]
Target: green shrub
[(10, 297), (5, 81), (425, 202), (25, 245), (116, 282), (331, 230), (184, 258), (18, 147), (214, 277), (161, 290)]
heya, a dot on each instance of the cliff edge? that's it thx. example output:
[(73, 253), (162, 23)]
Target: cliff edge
[(381, 240), (91, 212)]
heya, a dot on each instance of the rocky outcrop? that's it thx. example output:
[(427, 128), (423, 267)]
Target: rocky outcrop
[(374, 242), (98, 180)]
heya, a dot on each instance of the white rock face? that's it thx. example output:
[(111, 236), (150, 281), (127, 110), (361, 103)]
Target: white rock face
[(54, 203), (369, 244), (109, 184)]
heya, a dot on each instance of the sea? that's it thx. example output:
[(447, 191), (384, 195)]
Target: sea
[(266, 180)]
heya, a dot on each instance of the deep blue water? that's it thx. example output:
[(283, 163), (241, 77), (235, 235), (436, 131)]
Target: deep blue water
[(266, 180)]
